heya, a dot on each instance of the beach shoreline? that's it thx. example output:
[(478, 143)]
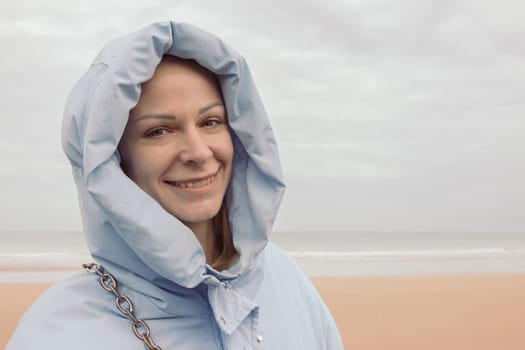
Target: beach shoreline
[(47, 256)]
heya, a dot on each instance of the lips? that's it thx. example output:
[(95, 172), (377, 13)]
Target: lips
[(194, 183)]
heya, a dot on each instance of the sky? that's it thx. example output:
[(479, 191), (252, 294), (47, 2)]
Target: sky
[(390, 116)]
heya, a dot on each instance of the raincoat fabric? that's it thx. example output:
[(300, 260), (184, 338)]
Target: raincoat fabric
[(263, 301)]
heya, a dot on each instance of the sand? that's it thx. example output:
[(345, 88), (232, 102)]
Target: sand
[(478, 312), (431, 312)]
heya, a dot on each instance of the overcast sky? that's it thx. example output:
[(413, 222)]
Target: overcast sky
[(390, 115)]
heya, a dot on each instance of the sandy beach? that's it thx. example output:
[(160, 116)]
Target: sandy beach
[(463, 312), (460, 312)]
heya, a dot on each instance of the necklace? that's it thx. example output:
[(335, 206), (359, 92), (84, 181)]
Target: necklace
[(123, 303)]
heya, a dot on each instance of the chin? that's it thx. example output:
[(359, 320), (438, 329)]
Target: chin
[(196, 216)]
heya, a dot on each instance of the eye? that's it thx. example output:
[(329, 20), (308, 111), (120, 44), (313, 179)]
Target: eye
[(156, 132), (210, 123)]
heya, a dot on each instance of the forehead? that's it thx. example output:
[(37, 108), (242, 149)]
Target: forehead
[(178, 81), (181, 71)]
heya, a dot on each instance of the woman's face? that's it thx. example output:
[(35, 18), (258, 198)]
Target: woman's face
[(176, 145)]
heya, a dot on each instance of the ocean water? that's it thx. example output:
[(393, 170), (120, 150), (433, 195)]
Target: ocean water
[(32, 256)]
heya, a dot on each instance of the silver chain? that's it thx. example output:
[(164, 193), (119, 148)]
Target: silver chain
[(123, 304)]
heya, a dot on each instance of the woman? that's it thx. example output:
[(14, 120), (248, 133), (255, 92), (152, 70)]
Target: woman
[(179, 183)]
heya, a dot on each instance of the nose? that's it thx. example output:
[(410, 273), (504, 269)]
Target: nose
[(195, 149)]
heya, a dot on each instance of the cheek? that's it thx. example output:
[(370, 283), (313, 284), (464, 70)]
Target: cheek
[(221, 146), (226, 147), (141, 165), (227, 157)]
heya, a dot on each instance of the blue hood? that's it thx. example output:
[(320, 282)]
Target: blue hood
[(127, 231)]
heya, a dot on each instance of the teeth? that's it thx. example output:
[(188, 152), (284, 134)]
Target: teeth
[(196, 183)]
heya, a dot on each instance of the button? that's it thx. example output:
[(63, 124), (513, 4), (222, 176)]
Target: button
[(260, 339), (222, 320)]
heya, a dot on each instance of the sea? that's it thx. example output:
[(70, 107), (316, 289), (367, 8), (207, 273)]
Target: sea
[(47, 256)]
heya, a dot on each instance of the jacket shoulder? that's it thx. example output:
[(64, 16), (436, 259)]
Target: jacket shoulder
[(281, 268), (289, 299), (71, 314)]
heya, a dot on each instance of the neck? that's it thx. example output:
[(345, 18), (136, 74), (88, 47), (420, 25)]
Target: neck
[(205, 234)]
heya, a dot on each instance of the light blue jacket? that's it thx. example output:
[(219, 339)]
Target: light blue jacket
[(262, 302)]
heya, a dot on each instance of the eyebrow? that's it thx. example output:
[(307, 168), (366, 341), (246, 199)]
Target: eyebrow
[(210, 106), (156, 116), (173, 117)]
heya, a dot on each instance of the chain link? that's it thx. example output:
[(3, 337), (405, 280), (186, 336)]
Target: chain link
[(139, 327)]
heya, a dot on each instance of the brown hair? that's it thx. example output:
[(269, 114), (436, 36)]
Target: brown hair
[(224, 239)]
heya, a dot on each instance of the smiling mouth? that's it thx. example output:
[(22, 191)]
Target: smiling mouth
[(193, 184)]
